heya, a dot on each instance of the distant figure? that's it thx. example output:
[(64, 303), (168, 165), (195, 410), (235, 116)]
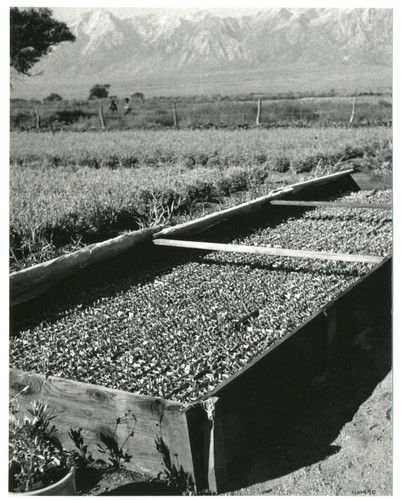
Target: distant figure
[(127, 107), (113, 105)]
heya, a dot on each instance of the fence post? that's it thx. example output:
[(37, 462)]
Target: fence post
[(37, 118), (101, 116), (258, 112), (353, 112), (175, 116)]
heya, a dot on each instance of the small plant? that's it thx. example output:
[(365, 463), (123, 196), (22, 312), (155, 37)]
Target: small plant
[(115, 452), (81, 456), (36, 457), (175, 477), (160, 212)]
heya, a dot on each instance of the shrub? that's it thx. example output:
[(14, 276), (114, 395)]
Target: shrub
[(36, 457), (281, 165), (303, 166), (137, 96), (53, 97), (99, 91)]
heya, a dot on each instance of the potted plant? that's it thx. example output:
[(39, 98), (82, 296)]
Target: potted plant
[(38, 464)]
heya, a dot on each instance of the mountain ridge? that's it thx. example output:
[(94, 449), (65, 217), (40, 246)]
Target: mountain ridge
[(201, 45)]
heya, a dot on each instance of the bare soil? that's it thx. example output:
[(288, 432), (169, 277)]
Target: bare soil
[(103, 481), (339, 440)]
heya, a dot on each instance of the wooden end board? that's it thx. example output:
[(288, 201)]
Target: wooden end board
[(95, 409), (373, 181)]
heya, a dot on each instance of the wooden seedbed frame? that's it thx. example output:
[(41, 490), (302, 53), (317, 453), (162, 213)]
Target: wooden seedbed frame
[(207, 438)]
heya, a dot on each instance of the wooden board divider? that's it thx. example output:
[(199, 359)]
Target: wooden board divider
[(283, 252), (331, 204)]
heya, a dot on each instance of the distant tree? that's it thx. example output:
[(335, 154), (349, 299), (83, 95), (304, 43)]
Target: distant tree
[(33, 34), (99, 91), (53, 97), (138, 96)]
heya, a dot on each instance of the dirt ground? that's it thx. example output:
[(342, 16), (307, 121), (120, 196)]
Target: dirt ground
[(95, 482), (339, 441)]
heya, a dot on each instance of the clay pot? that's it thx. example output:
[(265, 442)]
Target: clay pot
[(66, 486)]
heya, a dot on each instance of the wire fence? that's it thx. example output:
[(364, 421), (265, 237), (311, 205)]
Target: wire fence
[(167, 112)]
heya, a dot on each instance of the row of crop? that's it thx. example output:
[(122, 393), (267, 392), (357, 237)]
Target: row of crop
[(182, 332), (375, 152), (194, 148), (54, 210)]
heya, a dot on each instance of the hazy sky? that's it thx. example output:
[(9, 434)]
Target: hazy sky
[(234, 8), (68, 14)]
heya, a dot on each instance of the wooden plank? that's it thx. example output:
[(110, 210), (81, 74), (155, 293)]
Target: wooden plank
[(319, 181), (217, 478), (331, 331), (283, 252), (214, 446), (373, 181), (35, 280), (331, 204), (95, 409), (208, 221)]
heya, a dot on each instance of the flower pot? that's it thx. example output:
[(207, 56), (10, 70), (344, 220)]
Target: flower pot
[(66, 486)]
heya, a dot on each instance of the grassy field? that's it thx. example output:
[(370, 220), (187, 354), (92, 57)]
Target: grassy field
[(202, 112), (68, 189)]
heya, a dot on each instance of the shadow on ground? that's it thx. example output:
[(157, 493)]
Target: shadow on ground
[(141, 489), (306, 435), (98, 481)]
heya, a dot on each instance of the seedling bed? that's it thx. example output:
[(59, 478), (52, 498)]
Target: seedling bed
[(200, 332)]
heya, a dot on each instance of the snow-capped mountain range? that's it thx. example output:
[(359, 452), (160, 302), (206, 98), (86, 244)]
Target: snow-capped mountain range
[(155, 49)]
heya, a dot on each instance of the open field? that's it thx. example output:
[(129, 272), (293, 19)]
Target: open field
[(70, 189), (302, 110), (345, 79)]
